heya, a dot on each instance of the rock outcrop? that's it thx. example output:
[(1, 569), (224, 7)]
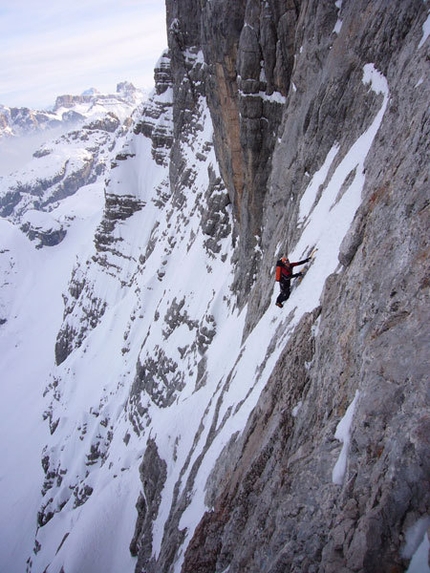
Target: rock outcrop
[(156, 122), (43, 228)]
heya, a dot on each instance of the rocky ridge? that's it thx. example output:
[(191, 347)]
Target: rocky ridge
[(168, 342)]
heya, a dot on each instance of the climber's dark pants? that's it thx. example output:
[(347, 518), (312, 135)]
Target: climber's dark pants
[(285, 291)]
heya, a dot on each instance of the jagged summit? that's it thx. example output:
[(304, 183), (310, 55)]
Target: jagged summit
[(171, 418), (90, 92)]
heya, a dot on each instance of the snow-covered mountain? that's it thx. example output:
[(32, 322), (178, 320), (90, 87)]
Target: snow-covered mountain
[(68, 110), (24, 131), (159, 413), (71, 160)]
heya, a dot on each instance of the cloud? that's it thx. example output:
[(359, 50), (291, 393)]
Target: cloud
[(66, 47)]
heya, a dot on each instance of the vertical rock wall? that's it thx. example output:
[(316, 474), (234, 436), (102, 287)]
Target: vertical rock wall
[(249, 56), (275, 506)]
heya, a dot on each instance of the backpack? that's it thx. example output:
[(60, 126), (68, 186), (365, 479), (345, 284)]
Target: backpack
[(278, 273)]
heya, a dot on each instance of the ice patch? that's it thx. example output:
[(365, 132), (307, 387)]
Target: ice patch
[(338, 24), (377, 81), (426, 32), (296, 409), (343, 434), (415, 536), (420, 560)]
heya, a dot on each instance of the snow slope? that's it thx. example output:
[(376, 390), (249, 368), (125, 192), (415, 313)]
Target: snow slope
[(31, 303)]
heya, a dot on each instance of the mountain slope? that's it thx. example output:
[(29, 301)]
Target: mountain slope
[(34, 274), (193, 426)]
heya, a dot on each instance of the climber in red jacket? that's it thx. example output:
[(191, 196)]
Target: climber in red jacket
[(284, 273)]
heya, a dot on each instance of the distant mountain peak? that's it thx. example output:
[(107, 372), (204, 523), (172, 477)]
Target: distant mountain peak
[(91, 92), (18, 121)]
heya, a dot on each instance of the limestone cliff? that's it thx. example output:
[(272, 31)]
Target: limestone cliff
[(284, 83)]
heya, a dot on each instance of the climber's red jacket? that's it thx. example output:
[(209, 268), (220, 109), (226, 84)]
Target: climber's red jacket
[(284, 269)]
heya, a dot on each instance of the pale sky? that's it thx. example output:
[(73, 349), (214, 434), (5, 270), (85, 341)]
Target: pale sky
[(54, 47)]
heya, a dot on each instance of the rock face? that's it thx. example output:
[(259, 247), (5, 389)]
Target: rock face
[(249, 62), (157, 119), (284, 82)]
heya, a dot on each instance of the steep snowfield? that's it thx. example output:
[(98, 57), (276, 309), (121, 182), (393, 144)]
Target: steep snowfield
[(32, 282), (168, 307)]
